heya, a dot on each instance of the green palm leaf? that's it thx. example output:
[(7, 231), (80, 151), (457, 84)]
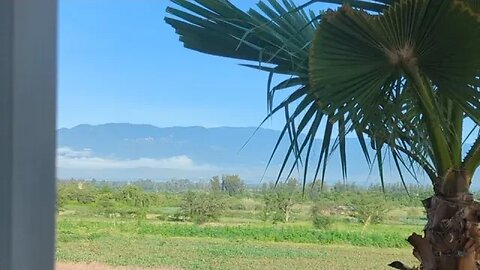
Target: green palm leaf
[(276, 38), (391, 70), (358, 60)]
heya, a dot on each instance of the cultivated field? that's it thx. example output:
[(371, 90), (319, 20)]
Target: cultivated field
[(186, 246), (197, 253), (128, 228), (98, 266)]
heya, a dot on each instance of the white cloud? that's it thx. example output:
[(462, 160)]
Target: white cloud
[(70, 153), (68, 158)]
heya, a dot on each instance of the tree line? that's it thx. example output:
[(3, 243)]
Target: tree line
[(208, 201)]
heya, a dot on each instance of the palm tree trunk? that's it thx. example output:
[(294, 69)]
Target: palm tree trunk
[(451, 234), (451, 238)]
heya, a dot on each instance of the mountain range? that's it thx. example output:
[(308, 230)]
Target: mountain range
[(133, 151)]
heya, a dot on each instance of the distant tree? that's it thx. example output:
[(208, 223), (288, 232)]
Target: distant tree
[(61, 200), (105, 189), (201, 207), (146, 185), (106, 204), (280, 199), (343, 187), (233, 185), (134, 196), (369, 207), (78, 191), (314, 189), (215, 184), (179, 185)]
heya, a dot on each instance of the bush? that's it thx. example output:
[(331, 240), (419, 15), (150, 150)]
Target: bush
[(105, 205), (320, 218), (201, 207), (322, 222), (370, 207), (279, 201), (246, 204)]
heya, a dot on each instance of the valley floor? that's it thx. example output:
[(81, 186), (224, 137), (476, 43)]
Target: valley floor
[(149, 252), (102, 227), (98, 266)]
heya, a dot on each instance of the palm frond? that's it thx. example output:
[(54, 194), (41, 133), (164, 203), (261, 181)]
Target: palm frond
[(278, 40), (391, 70), (362, 64)]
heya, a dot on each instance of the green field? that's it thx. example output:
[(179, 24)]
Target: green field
[(204, 253), (76, 229), (131, 226), (188, 246)]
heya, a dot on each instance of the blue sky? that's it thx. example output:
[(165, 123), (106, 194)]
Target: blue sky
[(120, 62)]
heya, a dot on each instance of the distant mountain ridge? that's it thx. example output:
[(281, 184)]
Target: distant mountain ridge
[(134, 151), (206, 145)]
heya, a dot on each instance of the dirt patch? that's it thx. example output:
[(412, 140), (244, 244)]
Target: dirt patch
[(98, 266)]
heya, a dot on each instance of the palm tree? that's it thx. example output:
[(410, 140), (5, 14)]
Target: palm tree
[(403, 74)]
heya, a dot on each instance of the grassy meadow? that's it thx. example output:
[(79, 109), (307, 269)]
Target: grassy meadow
[(121, 227)]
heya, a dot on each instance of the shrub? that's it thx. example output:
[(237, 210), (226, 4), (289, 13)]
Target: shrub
[(320, 218), (201, 207), (247, 204), (370, 207), (105, 205), (322, 222), (279, 201)]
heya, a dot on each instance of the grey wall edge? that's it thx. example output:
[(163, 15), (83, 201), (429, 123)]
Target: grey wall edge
[(27, 134)]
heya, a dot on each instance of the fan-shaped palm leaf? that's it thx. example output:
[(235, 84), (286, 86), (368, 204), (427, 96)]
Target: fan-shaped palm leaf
[(361, 64), (278, 40), (392, 70)]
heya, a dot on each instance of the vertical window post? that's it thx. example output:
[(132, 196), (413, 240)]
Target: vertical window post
[(27, 134)]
